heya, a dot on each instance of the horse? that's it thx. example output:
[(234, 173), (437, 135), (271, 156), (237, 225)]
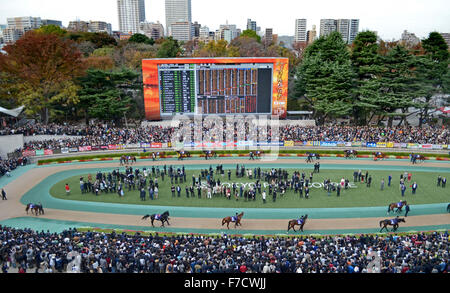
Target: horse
[(293, 223), (350, 154), (310, 157), (394, 205), (132, 159), (393, 222), (163, 218), (378, 155), (36, 209), (237, 222), (420, 158), (123, 160)]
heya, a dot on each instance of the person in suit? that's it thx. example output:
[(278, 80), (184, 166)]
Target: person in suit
[(414, 188), (4, 194)]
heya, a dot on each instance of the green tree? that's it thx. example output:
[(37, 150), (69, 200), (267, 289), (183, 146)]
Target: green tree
[(251, 34), (399, 84), (140, 38), (52, 29), (326, 76), (106, 95), (432, 71), (169, 48), (367, 65)]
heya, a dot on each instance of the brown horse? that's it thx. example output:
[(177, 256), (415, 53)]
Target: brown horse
[(378, 155), (295, 222), (237, 220), (394, 205), (393, 222), (36, 209)]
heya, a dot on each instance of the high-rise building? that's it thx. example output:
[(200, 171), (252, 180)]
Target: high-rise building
[(228, 32), (182, 31), (11, 34), (78, 26), (268, 37), (52, 22), (100, 26), (300, 30), (251, 25), (152, 30), (327, 26), (409, 39), (131, 14), (311, 35), (24, 23), (177, 11), (446, 37), (196, 26), (204, 33), (348, 28)]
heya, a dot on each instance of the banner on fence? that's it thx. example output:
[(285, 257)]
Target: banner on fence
[(289, 143), (64, 150), (156, 145), (412, 146), (328, 143), (84, 148), (48, 152), (381, 144), (371, 144), (104, 147), (390, 144), (426, 146), (73, 150), (444, 146), (28, 153), (356, 144), (40, 152)]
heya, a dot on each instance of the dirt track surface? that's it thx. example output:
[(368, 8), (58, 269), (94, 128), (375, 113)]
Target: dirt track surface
[(12, 207)]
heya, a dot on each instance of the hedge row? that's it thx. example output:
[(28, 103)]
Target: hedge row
[(326, 153)]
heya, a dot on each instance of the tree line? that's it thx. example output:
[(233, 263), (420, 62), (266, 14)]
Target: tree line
[(68, 76), (371, 81)]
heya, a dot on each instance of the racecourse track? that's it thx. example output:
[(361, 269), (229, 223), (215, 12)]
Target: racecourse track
[(32, 184)]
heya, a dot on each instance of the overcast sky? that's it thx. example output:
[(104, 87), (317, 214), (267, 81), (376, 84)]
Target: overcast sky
[(388, 17)]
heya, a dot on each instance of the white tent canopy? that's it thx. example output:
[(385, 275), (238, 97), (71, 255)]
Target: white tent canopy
[(14, 112)]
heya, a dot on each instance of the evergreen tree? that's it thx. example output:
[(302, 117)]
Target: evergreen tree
[(326, 77), (106, 95), (367, 65)]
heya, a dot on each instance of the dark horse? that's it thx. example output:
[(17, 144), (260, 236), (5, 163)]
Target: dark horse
[(300, 222), (394, 205), (418, 158), (310, 157), (236, 220), (36, 209), (350, 154), (163, 218), (392, 222)]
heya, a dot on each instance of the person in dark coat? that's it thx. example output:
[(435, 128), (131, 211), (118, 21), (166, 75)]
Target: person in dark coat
[(406, 210)]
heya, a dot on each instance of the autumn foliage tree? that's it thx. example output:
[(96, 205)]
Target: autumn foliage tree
[(44, 67)]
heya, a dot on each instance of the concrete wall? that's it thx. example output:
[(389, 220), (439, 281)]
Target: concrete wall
[(9, 143)]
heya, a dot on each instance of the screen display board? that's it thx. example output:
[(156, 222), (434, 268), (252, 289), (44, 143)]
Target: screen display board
[(219, 86)]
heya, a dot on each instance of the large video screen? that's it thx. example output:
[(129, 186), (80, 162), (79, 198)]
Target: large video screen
[(219, 86)]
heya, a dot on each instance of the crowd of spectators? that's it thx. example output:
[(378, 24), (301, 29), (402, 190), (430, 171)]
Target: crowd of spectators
[(104, 134), (71, 251)]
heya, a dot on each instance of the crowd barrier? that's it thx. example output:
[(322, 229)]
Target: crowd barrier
[(179, 145)]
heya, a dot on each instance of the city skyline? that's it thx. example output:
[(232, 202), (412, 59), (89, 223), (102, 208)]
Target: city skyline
[(388, 18)]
